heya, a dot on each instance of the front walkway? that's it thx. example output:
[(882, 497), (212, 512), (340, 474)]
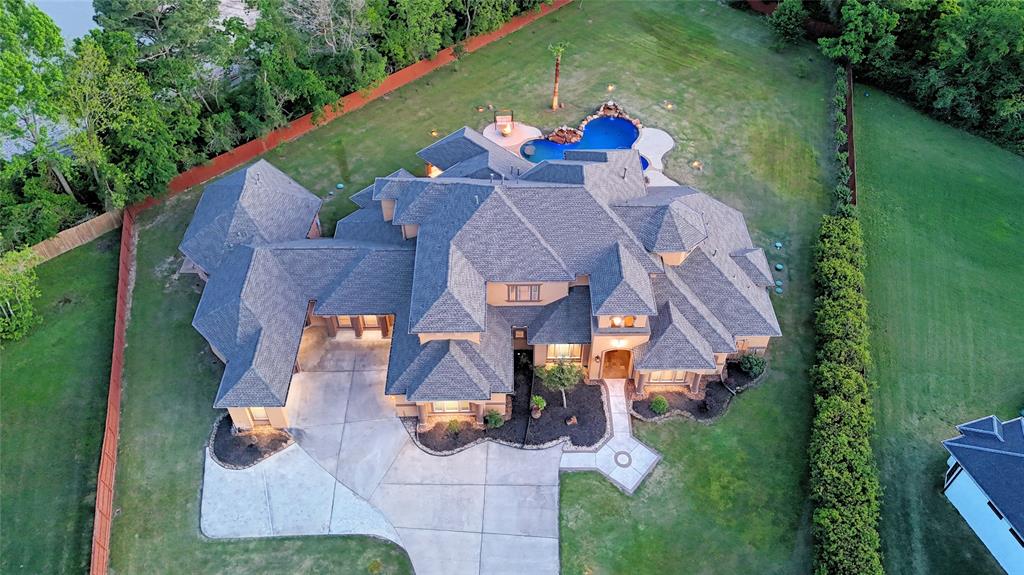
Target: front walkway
[(490, 509), (623, 460)]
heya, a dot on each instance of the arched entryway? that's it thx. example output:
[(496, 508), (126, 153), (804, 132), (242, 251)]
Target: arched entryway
[(615, 364)]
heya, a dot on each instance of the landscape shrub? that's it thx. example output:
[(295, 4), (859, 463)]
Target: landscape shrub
[(844, 483), (453, 428), (752, 364), (538, 402), (493, 419), (659, 404), (787, 21), (18, 291)]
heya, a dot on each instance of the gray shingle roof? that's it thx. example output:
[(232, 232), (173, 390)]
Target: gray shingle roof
[(619, 285), (675, 344), (566, 320), (256, 205), (443, 370), (992, 452), (662, 223), (472, 231), (754, 263), (467, 153)]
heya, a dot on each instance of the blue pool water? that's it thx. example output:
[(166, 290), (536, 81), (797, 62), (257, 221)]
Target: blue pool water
[(605, 133)]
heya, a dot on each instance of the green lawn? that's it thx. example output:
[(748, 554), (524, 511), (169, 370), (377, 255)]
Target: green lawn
[(53, 392), (727, 498), (941, 210)]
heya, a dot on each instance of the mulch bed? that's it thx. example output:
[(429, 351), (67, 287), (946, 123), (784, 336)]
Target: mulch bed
[(716, 397), (246, 448), (584, 401)]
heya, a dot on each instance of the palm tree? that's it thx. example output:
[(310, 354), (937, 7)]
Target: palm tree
[(557, 49)]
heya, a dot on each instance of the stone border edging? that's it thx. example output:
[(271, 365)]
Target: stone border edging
[(213, 452), (672, 413), (410, 427), (100, 555)]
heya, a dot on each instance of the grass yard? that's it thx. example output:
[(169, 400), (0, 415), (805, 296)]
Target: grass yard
[(52, 404), (727, 498), (941, 213)]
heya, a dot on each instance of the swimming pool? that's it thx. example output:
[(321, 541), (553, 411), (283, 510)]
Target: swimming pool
[(606, 133)]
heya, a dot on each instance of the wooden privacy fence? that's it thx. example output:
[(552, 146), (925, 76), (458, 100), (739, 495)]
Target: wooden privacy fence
[(108, 453), (83, 233), (216, 167)]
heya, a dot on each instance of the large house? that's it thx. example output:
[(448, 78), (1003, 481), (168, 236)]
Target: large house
[(985, 482), (577, 260)]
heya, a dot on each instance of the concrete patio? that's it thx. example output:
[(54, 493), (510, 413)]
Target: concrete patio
[(354, 469)]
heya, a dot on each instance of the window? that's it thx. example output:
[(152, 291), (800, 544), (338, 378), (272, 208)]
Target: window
[(994, 510), (571, 352), (518, 333), (668, 377), (259, 416), (451, 407), (524, 292), (951, 472)]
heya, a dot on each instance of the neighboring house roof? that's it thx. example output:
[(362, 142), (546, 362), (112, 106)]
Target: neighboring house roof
[(256, 205), (546, 226), (992, 452)]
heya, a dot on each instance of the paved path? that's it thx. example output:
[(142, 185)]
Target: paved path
[(653, 144), (490, 509), (623, 460)]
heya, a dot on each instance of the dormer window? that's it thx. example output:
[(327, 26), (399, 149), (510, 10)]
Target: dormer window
[(623, 321), (523, 292)]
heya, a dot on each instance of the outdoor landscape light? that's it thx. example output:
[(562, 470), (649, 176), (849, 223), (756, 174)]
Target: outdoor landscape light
[(433, 133), (611, 87)]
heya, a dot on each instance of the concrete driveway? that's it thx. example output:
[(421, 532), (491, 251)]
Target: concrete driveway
[(490, 509)]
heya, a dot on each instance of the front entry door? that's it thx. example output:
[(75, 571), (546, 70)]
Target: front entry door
[(616, 364)]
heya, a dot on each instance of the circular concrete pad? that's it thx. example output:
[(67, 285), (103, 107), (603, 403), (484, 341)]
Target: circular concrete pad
[(623, 459)]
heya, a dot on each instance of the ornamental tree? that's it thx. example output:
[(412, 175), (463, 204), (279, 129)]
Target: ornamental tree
[(561, 376)]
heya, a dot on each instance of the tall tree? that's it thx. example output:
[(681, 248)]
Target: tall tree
[(122, 138), (331, 25), (281, 82), (180, 51), (31, 52), (557, 50), (408, 30)]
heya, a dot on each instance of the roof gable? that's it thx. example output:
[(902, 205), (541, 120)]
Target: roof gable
[(619, 285)]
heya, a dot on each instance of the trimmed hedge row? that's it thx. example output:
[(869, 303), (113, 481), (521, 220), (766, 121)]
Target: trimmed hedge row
[(844, 478), (842, 190)]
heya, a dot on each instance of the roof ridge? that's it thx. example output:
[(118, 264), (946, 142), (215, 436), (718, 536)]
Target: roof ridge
[(622, 226), (716, 324), (500, 191)]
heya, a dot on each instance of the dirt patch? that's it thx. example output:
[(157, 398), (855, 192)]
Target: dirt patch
[(241, 449)]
